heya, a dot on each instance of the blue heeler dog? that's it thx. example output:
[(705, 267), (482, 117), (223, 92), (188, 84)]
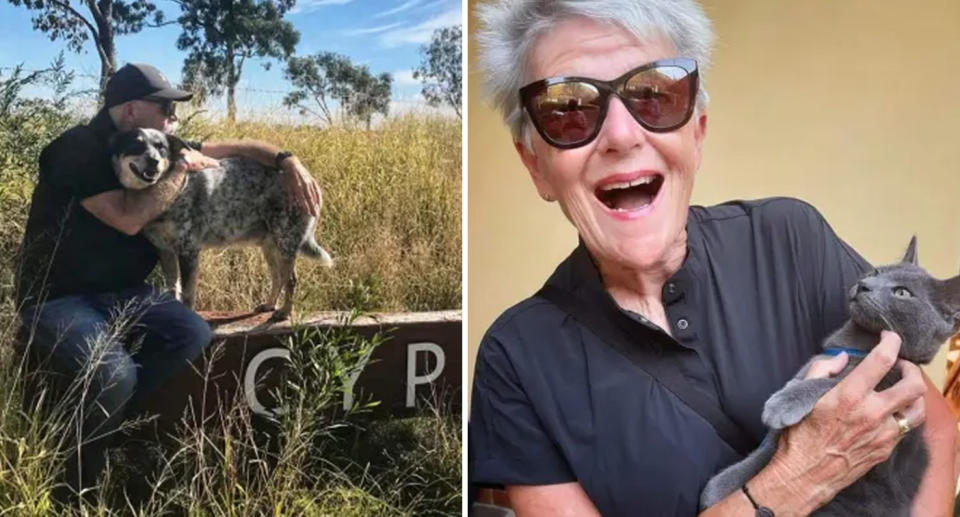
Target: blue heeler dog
[(239, 202)]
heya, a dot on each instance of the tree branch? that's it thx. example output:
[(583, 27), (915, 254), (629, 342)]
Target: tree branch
[(94, 9), (154, 25), (66, 7)]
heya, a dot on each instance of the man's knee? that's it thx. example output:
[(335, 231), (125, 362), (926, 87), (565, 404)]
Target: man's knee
[(196, 336), (115, 379)]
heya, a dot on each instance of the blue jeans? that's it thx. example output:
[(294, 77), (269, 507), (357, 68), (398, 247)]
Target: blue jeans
[(129, 342)]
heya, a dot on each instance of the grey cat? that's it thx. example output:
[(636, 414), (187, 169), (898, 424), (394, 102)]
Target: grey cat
[(925, 312)]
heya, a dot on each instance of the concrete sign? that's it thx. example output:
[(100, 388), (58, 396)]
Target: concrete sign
[(420, 357)]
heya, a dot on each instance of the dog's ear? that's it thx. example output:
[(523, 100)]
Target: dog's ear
[(114, 141), (177, 145)]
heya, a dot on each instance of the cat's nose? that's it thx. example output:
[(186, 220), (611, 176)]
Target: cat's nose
[(862, 287)]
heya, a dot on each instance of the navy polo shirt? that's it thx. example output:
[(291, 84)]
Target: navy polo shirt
[(763, 283)]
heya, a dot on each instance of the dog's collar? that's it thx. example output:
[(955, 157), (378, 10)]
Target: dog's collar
[(837, 350)]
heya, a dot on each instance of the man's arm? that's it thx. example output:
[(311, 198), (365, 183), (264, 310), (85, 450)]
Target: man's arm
[(129, 210), (256, 150), (301, 188)]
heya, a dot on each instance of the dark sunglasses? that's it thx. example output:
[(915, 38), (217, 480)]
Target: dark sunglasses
[(569, 111), (167, 107)]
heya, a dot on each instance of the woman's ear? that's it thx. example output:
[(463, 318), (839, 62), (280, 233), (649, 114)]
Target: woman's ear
[(544, 188)]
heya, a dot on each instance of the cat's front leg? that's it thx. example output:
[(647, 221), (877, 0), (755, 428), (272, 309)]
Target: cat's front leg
[(795, 401), (735, 476)]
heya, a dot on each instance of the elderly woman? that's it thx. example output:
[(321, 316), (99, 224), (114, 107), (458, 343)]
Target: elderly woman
[(641, 368)]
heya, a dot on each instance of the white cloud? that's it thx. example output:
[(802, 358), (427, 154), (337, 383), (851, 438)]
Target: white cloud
[(421, 33), (400, 8), (404, 78), (309, 5), (371, 30)]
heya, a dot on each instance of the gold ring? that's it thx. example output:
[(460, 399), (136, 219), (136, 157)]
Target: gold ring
[(901, 422)]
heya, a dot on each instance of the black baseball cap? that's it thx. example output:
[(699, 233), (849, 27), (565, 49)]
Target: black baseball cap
[(139, 81)]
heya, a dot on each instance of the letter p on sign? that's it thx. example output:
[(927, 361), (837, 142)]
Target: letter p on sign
[(413, 380)]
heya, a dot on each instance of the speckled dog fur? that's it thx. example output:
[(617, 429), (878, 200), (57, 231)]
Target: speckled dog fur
[(238, 202)]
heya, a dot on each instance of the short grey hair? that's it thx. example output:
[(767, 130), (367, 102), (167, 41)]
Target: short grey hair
[(510, 28)]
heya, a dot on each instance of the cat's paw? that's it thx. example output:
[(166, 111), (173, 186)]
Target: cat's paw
[(782, 411)]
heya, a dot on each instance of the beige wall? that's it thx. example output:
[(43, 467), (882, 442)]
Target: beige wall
[(853, 106)]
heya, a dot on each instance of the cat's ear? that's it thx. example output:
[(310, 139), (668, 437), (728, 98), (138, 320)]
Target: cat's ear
[(910, 257)]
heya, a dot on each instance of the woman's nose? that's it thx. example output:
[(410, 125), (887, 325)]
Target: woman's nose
[(620, 131)]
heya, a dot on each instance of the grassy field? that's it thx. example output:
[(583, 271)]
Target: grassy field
[(391, 219)]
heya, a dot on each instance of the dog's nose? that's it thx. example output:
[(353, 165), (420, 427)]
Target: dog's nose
[(152, 162)]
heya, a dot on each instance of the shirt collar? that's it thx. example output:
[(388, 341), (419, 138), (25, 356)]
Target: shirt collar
[(579, 274)]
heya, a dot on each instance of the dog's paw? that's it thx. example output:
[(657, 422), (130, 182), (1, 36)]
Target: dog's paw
[(265, 307), (280, 315)]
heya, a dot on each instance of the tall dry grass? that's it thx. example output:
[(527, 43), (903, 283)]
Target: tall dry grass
[(316, 459), (390, 218)]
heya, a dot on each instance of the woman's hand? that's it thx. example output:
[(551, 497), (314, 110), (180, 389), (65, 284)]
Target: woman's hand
[(850, 430)]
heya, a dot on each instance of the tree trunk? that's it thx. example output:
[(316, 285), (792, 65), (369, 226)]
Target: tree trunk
[(231, 104), (106, 47), (231, 85)]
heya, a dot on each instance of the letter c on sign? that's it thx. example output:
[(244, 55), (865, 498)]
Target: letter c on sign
[(250, 380)]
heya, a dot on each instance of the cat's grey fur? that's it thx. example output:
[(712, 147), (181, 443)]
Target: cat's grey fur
[(924, 320), (240, 201)]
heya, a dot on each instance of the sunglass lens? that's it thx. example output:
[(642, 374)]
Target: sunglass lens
[(659, 97), (567, 112)]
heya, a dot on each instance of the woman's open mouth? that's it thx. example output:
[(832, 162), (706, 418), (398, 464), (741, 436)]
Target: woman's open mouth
[(630, 196)]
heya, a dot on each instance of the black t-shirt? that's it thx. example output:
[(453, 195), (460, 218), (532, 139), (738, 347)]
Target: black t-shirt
[(67, 250), (763, 283)]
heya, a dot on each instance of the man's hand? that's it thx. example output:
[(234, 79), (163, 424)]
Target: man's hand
[(302, 189), (193, 160)]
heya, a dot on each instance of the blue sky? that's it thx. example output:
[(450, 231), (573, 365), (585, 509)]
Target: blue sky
[(385, 35)]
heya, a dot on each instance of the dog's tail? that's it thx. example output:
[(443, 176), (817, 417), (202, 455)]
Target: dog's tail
[(313, 250)]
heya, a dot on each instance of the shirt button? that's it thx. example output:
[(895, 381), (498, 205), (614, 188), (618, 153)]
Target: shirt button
[(671, 288), (682, 324)]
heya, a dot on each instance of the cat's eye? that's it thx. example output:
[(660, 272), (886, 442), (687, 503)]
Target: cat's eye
[(902, 292)]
